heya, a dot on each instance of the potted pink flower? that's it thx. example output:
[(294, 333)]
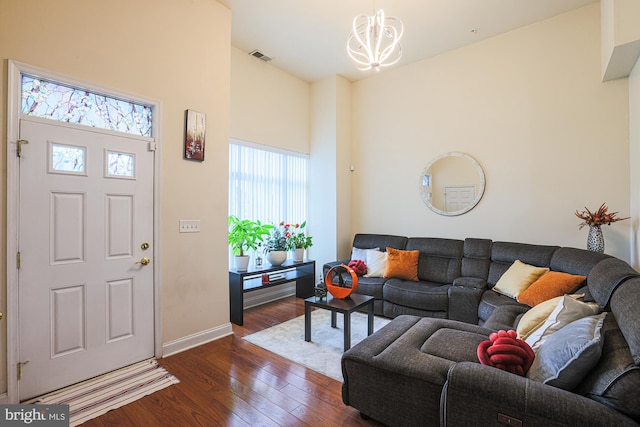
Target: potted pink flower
[(297, 239)]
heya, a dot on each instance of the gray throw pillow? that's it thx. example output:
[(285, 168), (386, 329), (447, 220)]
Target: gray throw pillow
[(361, 254), (567, 355)]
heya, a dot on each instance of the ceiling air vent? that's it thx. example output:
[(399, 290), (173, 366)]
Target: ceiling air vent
[(261, 56)]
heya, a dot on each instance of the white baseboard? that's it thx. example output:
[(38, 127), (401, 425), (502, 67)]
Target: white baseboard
[(185, 343), (251, 299), (263, 296)]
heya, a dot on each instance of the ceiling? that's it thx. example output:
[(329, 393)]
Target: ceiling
[(307, 38)]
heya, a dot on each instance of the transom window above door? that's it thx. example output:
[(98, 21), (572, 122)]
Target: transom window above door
[(55, 101)]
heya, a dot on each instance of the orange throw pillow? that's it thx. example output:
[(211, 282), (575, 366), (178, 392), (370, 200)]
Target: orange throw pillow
[(550, 285), (402, 264)]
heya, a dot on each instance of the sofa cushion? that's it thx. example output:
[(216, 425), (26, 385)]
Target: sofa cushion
[(550, 285), (569, 354), (421, 295), (567, 311), (477, 258), (575, 261), (518, 278), (492, 300), (369, 286), (503, 254), (535, 317), (440, 259), (369, 241), (361, 254), (402, 264), (506, 317), (376, 263), (453, 344), (615, 380)]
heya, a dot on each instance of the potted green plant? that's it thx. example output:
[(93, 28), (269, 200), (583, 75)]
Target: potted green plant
[(244, 235), (276, 245)]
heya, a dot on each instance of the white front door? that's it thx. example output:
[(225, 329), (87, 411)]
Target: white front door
[(86, 302)]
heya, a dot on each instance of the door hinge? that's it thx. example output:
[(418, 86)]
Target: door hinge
[(152, 146), (18, 260), (20, 142), (20, 365)]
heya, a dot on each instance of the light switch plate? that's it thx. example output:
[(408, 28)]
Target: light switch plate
[(189, 225)]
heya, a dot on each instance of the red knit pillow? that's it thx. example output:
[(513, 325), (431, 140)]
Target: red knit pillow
[(504, 351), (358, 266)]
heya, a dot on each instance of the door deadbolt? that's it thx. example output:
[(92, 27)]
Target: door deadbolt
[(144, 246)]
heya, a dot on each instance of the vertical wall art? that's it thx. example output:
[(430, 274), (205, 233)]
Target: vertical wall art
[(194, 135)]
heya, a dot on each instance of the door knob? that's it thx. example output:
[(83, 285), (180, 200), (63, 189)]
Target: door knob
[(144, 261)]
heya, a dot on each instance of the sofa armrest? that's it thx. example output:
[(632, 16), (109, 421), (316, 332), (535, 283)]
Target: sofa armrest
[(491, 396), (326, 267), (505, 317), (464, 302), (470, 282)]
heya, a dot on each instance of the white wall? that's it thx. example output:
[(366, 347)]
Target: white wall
[(330, 180), (530, 107), (323, 203), (268, 106), (620, 37)]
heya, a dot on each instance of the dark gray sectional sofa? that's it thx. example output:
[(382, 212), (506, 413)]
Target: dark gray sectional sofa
[(422, 368)]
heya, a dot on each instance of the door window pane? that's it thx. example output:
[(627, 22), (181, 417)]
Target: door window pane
[(64, 103), (120, 165), (66, 158)]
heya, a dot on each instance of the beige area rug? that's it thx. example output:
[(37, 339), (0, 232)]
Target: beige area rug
[(324, 352), (97, 396)]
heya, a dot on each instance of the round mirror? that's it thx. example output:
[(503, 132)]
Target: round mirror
[(452, 184)]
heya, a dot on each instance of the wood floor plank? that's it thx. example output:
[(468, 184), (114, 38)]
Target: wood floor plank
[(231, 382)]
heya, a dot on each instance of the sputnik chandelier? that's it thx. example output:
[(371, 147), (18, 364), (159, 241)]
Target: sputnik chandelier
[(375, 41)]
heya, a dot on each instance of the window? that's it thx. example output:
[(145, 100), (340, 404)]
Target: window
[(270, 186), (68, 159), (55, 101)]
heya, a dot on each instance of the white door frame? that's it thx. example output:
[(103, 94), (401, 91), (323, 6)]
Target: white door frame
[(14, 96)]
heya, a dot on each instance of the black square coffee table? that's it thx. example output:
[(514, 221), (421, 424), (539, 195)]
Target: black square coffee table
[(345, 306)]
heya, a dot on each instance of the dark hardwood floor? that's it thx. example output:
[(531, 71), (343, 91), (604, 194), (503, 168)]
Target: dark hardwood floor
[(230, 382)]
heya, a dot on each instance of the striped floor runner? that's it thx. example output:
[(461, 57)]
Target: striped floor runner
[(94, 397)]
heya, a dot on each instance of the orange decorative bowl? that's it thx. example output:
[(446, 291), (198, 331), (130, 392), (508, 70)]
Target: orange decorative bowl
[(338, 291)]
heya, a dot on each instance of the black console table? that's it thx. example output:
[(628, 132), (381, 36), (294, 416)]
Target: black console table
[(303, 274)]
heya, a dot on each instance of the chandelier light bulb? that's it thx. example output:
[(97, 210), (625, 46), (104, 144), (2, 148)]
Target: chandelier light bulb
[(375, 41)]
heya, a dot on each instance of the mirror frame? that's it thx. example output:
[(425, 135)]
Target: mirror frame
[(479, 194)]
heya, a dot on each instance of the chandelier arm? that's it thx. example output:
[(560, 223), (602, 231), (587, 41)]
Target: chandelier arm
[(356, 54), (367, 32), (388, 50), (399, 22), (360, 29)]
